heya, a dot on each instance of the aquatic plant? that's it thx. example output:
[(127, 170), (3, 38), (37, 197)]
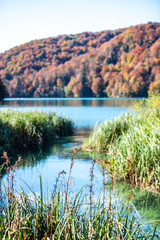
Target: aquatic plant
[(21, 131), (132, 144), (24, 216)]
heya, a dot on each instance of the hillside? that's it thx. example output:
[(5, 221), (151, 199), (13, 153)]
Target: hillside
[(121, 63)]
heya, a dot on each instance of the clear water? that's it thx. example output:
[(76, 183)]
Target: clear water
[(49, 163), (85, 112)]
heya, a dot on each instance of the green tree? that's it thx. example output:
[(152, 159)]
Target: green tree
[(86, 90), (68, 92), (83, 75), (3, 90)]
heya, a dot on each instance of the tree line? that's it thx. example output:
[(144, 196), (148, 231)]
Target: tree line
[(120, 63)]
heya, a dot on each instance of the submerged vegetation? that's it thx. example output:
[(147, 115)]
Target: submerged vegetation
[(60, 216), (24, 131), (132, 144), (146, 202)]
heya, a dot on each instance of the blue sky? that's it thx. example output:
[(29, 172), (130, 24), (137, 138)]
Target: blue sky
[(25, 20)]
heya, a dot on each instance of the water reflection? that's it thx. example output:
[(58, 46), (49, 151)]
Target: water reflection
[(57, 158), (84, 112), (95, 102), (54, 160)]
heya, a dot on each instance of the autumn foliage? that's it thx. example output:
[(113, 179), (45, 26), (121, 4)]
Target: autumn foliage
[(121, 63)]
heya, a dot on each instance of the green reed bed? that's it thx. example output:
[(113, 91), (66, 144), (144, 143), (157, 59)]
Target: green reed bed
[(24, 216), (21, 131), (132, 144)]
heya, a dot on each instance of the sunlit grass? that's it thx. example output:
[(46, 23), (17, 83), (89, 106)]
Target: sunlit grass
[(21, 131), (132, 144)]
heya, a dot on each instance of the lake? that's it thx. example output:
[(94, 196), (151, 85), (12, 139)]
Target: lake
[(86, 113)]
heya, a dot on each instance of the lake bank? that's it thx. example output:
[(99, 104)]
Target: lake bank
[(131, 143), (24, 131)]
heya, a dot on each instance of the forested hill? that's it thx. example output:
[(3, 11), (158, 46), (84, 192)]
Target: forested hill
[(121, 63)]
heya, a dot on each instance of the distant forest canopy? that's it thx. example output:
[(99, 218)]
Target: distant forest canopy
[(119, 63)]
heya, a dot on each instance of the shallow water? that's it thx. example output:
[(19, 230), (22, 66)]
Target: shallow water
[(49, 163)]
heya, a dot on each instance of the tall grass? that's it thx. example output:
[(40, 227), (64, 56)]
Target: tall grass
[(63, 217), (21, 131), (132, 144)]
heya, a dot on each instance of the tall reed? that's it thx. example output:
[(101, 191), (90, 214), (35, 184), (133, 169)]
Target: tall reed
[(26, 217), (23, 131), (132, 144)]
